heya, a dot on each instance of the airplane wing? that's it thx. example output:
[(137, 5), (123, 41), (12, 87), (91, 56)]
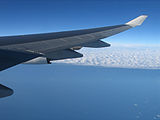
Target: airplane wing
[(10, 58), (56, 46)]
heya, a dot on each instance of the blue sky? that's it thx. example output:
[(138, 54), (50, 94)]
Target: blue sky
[(37, 16)]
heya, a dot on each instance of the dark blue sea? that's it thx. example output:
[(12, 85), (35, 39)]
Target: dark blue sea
[(70, 92)]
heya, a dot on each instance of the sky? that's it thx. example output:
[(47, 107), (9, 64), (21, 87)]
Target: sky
[(41, 16)]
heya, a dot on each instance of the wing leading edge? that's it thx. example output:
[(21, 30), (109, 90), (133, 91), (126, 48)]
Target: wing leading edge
[(57, 46)]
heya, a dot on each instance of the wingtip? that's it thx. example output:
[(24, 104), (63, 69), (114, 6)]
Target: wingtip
[(137, 21)]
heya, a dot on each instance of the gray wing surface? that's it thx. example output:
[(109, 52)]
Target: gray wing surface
[(11, 58), (43, 43), (57, 45)]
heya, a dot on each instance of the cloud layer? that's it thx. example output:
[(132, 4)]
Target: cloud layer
[(124, 57)]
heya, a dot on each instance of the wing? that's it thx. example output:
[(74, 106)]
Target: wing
[(11, 58), (61, 45)]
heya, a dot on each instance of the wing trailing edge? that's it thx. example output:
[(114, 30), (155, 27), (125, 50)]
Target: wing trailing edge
[(97, 44), (11, 58), (63, 54)]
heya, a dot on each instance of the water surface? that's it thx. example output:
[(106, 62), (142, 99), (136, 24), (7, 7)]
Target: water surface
[(67, 92)]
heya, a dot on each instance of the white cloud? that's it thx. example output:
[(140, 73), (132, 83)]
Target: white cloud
[(124, 57)]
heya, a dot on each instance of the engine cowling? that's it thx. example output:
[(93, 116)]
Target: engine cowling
[(38, 60)]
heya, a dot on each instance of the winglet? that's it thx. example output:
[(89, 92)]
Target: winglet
[(137, 21)]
